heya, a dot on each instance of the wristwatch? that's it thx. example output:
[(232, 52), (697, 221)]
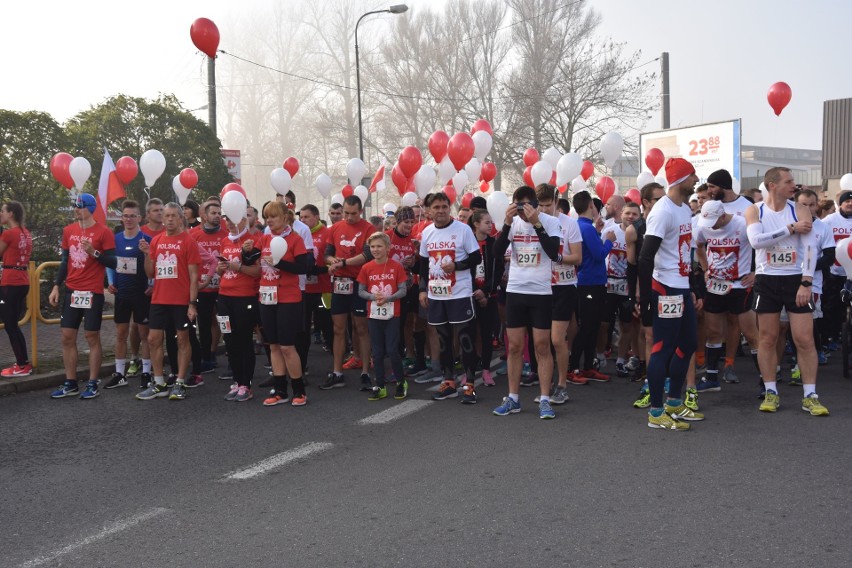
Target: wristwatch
[(96, 254), (538, 225), (806, 283)]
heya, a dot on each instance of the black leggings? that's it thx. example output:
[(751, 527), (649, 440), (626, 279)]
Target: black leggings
[(172, 348), (206, 319), (592, 306), (485, 320), (242, 312), (13, 300), (466, 332)]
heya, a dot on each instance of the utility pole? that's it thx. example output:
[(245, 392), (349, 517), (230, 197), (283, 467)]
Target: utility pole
[(664, 94), (211, 94)]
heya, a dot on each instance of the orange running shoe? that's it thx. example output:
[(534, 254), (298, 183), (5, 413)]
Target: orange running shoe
[(352, 363)]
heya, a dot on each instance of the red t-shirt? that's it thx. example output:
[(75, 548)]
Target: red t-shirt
[(382, 278), (319, 283), (19, 248), (172, 256), (151, 232), (85, 273), (417, 229), (348, 241), (236, 283), (287, 282), (402, 248), (211, 243)]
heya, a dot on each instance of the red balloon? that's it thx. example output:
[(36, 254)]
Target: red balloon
[(291, 164), (460, 149), (188, 178), (466, 199), (205, 36), (484, 186), (451, 193), (481, 124), (438, 145), (126, 169), (779, 96), (654, 159), (634, 195), (347, 190), (409, 188), (410, 161), (605, 188), (231, 187), (552, 178), (399, 179), (59, 169), (563, 188), (531, 157), (588, 170), (489, 171), (528, 176)]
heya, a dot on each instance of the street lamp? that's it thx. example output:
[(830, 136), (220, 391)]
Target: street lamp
[(395, 9)]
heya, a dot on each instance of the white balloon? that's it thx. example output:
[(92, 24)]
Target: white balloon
[(409, 199), (661, 179), (152, 164), (644, 179), (846, 182), (841, 254), (473, 169), (552, 157), (280, 180), (389, 208), (363, 193), (460, 181), (541, 172), (611, 146), (278, 248), (80, 170), (446, 170), (180, 191), (323, 184), (578, 184), (568, 167), (337, 198), (497, 204), (234, 206), (424, 180), (355, 171), (482, 143), (763, 191)]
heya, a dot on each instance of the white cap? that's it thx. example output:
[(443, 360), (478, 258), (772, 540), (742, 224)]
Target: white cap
[(711, 211)]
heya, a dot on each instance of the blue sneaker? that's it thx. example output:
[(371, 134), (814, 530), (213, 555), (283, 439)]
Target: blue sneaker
[(509, 406), (526, 370), (708, 386), (822, 357), (501, 369), (68, 388), (545, 411), (91, 390)]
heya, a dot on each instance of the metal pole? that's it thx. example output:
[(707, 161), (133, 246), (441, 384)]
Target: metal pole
[(211, 94), (664, 95), (358, 89)]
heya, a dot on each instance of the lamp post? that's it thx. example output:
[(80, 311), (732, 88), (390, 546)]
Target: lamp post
[(395, 9)]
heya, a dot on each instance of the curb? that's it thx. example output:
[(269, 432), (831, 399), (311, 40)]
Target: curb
[(20, 385)]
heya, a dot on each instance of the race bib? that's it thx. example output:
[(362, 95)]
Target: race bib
[(719, 287), (528, 255), (617, 286), (214, 281), (224, 323), (344, 286), (440, 288), (480, 271), (378, 312), (565, 273), (269, 295), (670, 307), (166, 270), (780, 257), (81, 300), (312, 279), (126, 265)]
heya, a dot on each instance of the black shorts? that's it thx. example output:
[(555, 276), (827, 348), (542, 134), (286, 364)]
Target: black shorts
[(168, 316), (91, 317), (138, 305), (453, 310), (736, 302), (282, 322), (618, 306), (564, 302), (348, 304), (411, 303), (525, 310), (771, 293)]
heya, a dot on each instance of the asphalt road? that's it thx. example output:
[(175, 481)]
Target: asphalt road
[(204, 482)]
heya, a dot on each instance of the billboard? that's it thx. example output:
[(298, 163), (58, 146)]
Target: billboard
[(709, 147), (232, 162)]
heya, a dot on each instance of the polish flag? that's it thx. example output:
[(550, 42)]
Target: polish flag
[(109, 188), (378, 183)]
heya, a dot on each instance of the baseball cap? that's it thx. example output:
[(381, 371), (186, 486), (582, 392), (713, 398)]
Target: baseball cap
[(711, 211), (85, 200)]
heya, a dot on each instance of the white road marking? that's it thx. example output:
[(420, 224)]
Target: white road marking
[(395, 412), (107, 531), (279, 460)]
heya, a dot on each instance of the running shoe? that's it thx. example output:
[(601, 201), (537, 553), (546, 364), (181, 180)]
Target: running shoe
[(366, 383), (68, 388), (621, 370), (526, 369), (275, 399), (208, 366), (666, 422), (352, 362), (488, 378), (171, 380), (17, 370), (559, 396), (691, 400), (194, 381), (447, 390), (407, 362), (822, 358), (593, 375), (501, 369), (771, 402), (682, 412), (509, 406), (378, 393), (134, 368), (632, 364), (333, 381), (708, 386), (178, 392), (575, 378), (243, 394), (814, 406), (145, 381), (599, 363), (545, 411), (299, 400), (117, 380), (796, 376), (416, 369), (91, 390), (154, 391), (232, 394), (228, 375), (401, 390), (529, 380), (430, 376), (468, 394), (729, 376), (644, 400)]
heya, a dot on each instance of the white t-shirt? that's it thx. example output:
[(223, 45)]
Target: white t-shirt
[(825, 240), (531, 269), (673, 225), (841, 227), (785, 256), (616, 260), (453, 243), (566, 274), (728, 251), (305, 232), (738, 206)]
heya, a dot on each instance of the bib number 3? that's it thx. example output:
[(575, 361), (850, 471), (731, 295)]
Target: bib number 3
[(670, 307)]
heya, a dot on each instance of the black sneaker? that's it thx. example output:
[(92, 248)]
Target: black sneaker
[(621, 370), (468, 394), (171, 379), (194, 381), (333, 381), (227, 375), (530, 380), (178, 392), (366, 383), (145, 381), (401, 390), (117, 380)]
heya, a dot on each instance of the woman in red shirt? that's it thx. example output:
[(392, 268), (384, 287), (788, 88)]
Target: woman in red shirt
[(16, 247), (281, 309)]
